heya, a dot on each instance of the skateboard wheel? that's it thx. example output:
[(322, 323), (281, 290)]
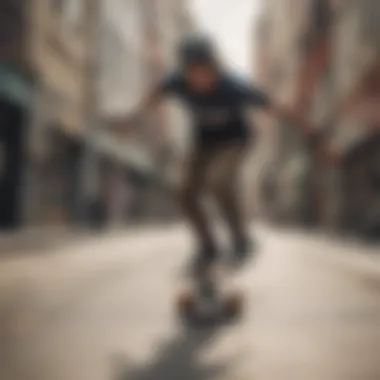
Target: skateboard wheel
[(234, 305), (186, 305)]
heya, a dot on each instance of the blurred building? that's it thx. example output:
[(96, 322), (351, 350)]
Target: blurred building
[(62, 53), (16, 94), (309, 60), (67, 70), (137, 41), (281, 51), (165, 22), (125, 165), (45, 78), (355, 66)]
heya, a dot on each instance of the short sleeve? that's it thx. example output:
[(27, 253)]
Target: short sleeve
[(170, 84)]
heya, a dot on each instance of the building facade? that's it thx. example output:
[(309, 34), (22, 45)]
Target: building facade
[(67, 70), (137, 44), (166, 22), (356, 71), (322, 54), (120, 86), (16, 95), (44, 85), (278, 61), (60, 50)]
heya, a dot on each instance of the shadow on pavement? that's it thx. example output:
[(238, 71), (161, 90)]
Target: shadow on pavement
[(180, 359)]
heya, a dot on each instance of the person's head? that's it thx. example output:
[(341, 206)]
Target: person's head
[(199, 63)]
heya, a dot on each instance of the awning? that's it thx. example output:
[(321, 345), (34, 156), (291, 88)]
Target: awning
[(14, 87)]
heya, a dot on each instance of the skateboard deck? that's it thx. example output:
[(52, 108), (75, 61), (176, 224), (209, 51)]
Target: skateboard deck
[(210, 296)]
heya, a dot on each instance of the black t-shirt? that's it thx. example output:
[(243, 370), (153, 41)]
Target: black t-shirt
[(219, 116)]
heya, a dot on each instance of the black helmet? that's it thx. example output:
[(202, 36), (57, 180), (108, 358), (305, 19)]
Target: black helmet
[(197, 50)]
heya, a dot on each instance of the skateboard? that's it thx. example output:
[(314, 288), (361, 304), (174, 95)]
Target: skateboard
[(210, 296)]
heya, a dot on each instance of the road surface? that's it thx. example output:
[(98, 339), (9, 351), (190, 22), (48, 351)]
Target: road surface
[(101, 309)]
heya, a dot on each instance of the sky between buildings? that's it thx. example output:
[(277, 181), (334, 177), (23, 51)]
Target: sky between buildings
[(231, 23)]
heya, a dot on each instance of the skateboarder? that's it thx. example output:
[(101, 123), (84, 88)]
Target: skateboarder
[(217, 101)]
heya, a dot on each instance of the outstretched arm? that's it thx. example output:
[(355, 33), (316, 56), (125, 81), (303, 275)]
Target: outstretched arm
[(151, 99), (259, 99), (287, 114), (123, 124)]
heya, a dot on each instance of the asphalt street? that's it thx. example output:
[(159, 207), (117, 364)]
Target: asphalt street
[(101, 308)]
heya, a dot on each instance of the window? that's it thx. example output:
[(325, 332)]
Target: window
[(12, 28), (57, 5), (320, 23), (370, 22), (70, 10), (321, 14), (74, 12), (149, 13)]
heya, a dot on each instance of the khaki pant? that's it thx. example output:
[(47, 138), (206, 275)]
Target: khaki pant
[(214, 170)]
